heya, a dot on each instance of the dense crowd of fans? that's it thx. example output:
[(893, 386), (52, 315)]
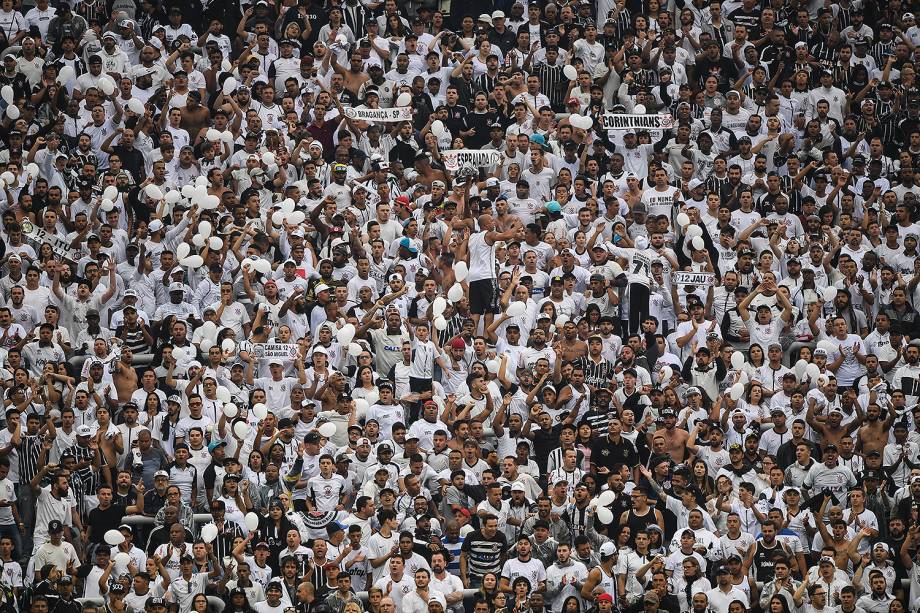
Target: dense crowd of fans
[(485, 307)]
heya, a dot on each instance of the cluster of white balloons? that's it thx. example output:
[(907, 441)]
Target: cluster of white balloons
[(582, 122), (693, 232), (600, 506)]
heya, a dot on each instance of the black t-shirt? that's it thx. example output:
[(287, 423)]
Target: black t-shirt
[(605, 452), (104, 520)]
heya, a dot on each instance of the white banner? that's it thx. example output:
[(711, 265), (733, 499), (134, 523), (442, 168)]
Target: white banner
[(283, 351), (59, 245), (455, 158), (402, 113), (614, 121), (700, 279)]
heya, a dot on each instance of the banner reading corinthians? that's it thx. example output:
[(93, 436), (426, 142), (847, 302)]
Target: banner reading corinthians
[(612, 121)]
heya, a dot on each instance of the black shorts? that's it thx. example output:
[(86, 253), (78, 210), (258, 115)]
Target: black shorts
[(419, 385), (484, 297)]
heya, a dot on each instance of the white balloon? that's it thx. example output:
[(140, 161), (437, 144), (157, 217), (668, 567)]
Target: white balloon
[(210, 202), (212, 135), (107, 86), (153, 192), (440, 323), (259, 410), (228, 346), (106, 205), (111, 192), (743, 378), (122, 558), (262, 266), (6, 92), (32, 169), (561, 320), (438, 306), (193, 261), (65, 75), (136, 106), (287, 205), (455, 293), (372, 397), (354, 349), (492, 366), (215, 243), (515, 308), (8, 177), (268, 158), (345, 334), (182, 251), (829, 293), (575, 120), (666, 373), (437, 128), (682, 220), (697, 243), (252, 521), (812, 371), (361, 405), (327, 430), (606, 497), (204, 228), (198, 240), (799, 368), (829, 346), (230, 410), (639, 109), (222, 393), (226, 137), (737, 360), (208, 533), (461, 271), (694, 231), (229, 86), (604, 515), (296, 218), (570, 72), (241, 429), (404, 99), (278, 217), (114, 537), (736, 391), (172, 197), (205, 345), (178, 354), (188, 191)]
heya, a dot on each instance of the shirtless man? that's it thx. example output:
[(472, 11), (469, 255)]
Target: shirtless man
[(830, 430), (353, 75), (873, 434), (836, 537), (571, 347), (124, 377), (675, 439)]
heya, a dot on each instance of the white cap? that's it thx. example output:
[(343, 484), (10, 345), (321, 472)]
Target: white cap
[(608, 549), (517, 486)]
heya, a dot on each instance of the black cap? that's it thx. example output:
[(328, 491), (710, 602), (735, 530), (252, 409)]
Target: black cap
[(55, 526)]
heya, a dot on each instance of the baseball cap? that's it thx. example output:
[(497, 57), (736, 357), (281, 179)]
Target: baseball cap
[(607, 549)]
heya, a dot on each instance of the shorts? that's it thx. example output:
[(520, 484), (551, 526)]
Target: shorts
[(419, 386), (484, 297)]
